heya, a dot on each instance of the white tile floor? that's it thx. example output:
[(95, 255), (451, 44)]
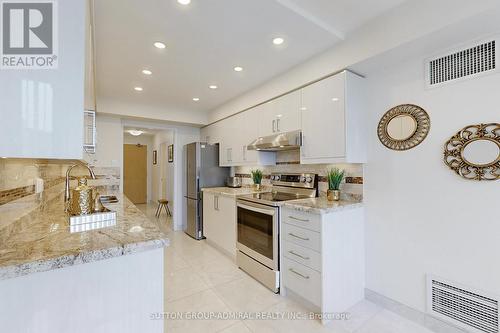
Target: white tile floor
[(199, 279)]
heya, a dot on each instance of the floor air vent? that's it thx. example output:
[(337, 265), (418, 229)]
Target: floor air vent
[(461, 64), (464, 307)]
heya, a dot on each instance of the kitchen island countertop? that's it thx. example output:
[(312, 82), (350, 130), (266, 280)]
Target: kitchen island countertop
[(35, 235)]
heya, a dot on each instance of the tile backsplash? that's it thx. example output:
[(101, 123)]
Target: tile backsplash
[(289, 161), (18, 176)]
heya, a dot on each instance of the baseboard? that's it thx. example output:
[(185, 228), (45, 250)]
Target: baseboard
[(411, 314)]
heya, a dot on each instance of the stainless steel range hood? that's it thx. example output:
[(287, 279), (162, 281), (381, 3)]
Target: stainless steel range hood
[(277, 142)]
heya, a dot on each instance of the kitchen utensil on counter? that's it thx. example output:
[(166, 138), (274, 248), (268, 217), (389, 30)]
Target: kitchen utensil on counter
[(82, 199), (233, 182)]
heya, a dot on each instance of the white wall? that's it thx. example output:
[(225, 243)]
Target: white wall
[(412, 20), (420, 216), (109, 144), (166, 137), (145, 140)]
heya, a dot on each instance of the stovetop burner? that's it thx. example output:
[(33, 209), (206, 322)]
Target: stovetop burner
[(286, 187), (278, 196)]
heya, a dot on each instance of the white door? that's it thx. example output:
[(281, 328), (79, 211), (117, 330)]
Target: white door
[(323, 119), (266, 119)]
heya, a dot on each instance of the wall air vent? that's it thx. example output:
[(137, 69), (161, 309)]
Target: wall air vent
[(461, 64), (464, 307)]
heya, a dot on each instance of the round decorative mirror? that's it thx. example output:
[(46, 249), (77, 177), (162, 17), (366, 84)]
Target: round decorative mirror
[(474, 152), (403, 127)]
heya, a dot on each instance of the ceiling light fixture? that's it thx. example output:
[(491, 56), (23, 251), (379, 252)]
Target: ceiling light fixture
[(146, 72), (159, 45), (135, 132), (212, 86), (196, 99), (335, 99), (238, 69), (184, 2), (278, 41), (138, 89)]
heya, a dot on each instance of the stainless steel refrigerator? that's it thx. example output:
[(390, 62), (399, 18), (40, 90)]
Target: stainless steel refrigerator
[(202, 171)]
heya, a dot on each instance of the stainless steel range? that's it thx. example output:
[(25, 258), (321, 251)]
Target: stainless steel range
[(259, 225)]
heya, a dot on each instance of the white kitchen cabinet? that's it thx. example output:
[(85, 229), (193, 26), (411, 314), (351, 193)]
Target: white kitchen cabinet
[(41, 111), (89, 94), (332, 120), (280, 115), (234, 135), (322, 258), (219, 222)]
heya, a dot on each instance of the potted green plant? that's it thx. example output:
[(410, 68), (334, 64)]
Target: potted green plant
[(335, 177), (257, 178)]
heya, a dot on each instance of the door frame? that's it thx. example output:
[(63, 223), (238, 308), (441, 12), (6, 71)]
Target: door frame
[(177, 185)]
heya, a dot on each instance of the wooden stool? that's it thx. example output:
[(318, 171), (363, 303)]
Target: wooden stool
[(162, 203)]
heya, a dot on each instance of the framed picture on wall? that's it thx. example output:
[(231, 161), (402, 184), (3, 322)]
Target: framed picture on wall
[(155, 157), (170, 153)]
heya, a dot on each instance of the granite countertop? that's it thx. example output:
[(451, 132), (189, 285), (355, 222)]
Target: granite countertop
[(35, 235), (321, 205), (235, 192)]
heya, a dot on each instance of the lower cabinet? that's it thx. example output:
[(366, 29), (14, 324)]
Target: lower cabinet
[(219, 221), (322, 259)]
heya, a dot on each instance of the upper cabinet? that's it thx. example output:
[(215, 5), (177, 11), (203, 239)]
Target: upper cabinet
[(329, 113), (89, 95), (41, 110), (280, 115), (332, 122)]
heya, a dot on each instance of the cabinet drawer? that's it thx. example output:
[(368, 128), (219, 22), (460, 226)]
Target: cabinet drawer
[(302, 255), (303, 237), (302, 280), (301, 219)]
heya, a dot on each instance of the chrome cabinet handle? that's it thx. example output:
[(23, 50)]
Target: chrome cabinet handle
[(297, 219), (297, 273), (298, 255), (216, 203), (293, 235), (278, 125), (274, 125)]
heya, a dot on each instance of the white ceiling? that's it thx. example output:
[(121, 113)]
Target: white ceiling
[(207, 38)]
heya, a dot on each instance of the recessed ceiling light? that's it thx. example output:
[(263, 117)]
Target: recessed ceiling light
[(138, 89), (196, 99), (146, 72), (303, 108), (212, 86), (335, 99), (278, 41), (135, 132), (184, 2), (238, 69), (159, 45)]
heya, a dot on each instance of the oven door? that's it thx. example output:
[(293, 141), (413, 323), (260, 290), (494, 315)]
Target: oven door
[(258, 232)]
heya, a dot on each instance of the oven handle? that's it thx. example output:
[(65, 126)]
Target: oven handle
[(257, 208)]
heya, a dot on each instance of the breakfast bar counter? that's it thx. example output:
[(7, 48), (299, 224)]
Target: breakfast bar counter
[(109, 279)]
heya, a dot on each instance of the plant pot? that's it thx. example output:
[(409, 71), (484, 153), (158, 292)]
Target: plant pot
[(333, 195), (256, 187)]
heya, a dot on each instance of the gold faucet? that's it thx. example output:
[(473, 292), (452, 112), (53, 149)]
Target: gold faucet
[(67, 191)]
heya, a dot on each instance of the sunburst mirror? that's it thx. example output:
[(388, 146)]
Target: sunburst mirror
[(474, 152), (403, 127)]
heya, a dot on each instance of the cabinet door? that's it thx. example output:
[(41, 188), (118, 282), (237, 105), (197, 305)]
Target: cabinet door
[(266, 119), (89, 95), (227, 219), (209, 218), (323, 120), (286, 111)]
